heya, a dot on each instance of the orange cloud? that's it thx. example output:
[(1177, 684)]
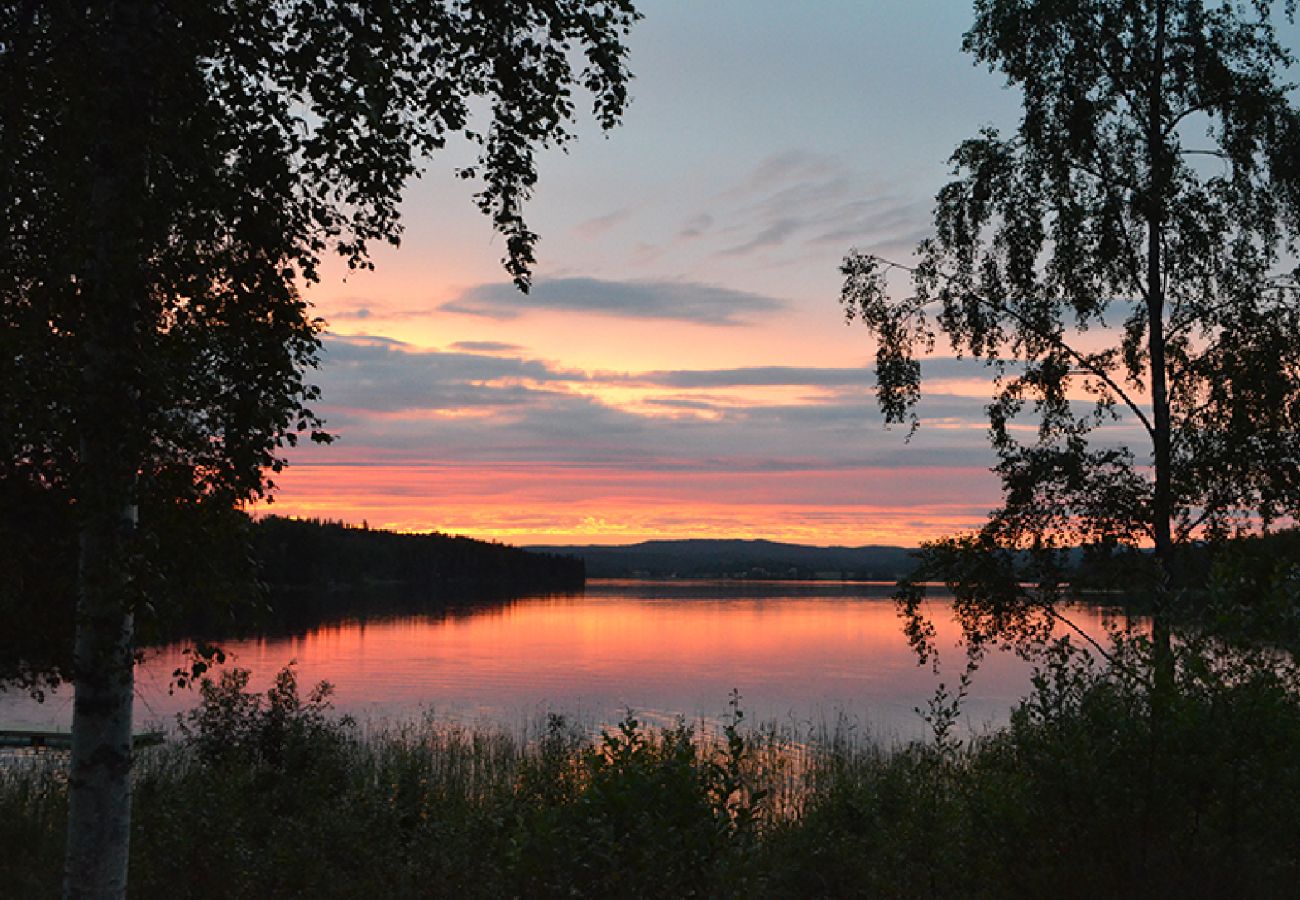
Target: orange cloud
[(533, 503)]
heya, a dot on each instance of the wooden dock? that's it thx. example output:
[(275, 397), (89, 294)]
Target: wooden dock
[(62, 740)]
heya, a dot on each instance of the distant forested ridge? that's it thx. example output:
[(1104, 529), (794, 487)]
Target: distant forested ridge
[(749, 559), (311, 553), (315, 571), (225, 575)]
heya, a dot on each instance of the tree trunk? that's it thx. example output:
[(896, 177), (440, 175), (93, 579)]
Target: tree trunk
[(1162, 501), (1162, 504), (112, 289), (99, 789)]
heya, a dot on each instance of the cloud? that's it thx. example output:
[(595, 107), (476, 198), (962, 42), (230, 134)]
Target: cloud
[(363, 310), (360, 313), (688, 403), (397, 405), (773, 235), (681, 301), (381, 375), (696, 226), (598, 226), (486, 347), (885, 220), (758, 376), (394, 402), (792, 165), (932, 368), (800, 205)]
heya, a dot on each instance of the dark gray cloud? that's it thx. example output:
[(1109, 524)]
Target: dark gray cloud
[(951, 367), (379, 394), (756, 376), (681, 301), (395, 400), (696, 226), (383, 375), (486, 347), (684, 403), (849, 411), (936, 367)]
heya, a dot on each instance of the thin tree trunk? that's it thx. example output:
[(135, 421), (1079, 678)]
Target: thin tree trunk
[(1162, 505)]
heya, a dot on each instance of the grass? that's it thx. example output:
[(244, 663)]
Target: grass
[(1088, 792)]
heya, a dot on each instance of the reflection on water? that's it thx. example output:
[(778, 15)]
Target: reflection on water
[(799, 653)]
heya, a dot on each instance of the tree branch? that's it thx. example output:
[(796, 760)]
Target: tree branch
[(1185, 531), (1178, 323), (1054, 613), (1130, 262), (1115, 662), (1083, 361)]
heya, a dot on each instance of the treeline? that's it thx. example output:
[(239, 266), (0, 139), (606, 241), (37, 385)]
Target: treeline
[(319, 554), (1248, 590), (208, 572), (743, 559), (310, 571)]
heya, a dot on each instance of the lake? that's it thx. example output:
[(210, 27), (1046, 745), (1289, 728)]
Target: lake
[(803, 654)]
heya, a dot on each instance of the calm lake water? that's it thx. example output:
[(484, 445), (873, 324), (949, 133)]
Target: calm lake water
[(800, 653)]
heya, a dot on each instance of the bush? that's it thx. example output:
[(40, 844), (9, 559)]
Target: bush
[(1091, 790), (279, 730), (642, 813)]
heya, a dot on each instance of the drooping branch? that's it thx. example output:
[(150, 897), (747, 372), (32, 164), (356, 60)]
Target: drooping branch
[(1082, 359), (1185, 531), (1199, 316), (1056, 615), (1130, 262)]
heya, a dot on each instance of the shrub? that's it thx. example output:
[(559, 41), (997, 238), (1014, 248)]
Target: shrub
[(643, 813)]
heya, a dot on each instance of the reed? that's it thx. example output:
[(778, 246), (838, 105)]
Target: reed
[(272, 796)]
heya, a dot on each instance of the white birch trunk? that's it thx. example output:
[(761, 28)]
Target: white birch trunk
[(99, 788)]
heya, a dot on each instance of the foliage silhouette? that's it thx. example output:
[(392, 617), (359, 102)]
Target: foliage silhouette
[(1062, 802), (171, 173), (1119, 263)]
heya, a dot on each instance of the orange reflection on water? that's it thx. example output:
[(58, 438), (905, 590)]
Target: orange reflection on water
[(797, 652)]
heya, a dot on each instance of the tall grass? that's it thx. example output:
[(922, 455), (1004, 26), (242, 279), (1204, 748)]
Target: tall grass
[(1086, 793)]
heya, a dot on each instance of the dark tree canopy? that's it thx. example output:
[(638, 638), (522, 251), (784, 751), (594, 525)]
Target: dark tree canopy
[(1124, 262), (171, 174), (225, 148)]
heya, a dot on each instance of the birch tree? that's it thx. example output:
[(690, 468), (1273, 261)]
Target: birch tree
[(172, 173), (1124, 263)]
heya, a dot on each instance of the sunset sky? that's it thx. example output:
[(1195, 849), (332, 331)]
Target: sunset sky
[(682, 367)]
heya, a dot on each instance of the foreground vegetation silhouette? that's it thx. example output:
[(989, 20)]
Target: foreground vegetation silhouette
[(1122, 263), (172, 175), (270, 796)]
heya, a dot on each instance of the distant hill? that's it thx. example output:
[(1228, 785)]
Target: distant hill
[(317, 554), (739, 559), (317, 571)]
